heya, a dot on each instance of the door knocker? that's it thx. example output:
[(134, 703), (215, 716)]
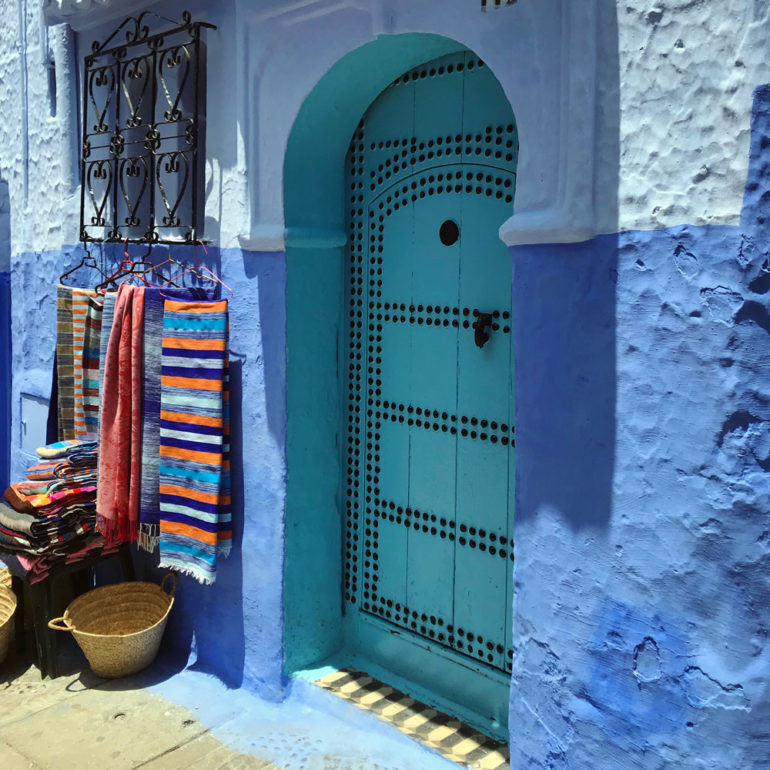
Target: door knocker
[(480, 325)]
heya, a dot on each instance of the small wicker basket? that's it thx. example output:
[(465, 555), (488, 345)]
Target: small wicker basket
[(119, 627), (7, 608)]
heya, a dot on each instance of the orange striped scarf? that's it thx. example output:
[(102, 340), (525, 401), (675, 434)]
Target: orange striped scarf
[(81, 299), (195, 516)]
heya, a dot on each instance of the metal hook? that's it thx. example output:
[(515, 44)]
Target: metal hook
[(483, 321)]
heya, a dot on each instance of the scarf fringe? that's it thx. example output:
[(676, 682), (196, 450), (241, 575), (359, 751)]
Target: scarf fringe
[(128, 530), (107, 528), (149, 537), (116, 531), (169, 562), (224, 550)]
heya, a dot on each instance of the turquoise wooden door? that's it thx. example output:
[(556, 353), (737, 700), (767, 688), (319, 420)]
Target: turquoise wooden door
[(430, 435)]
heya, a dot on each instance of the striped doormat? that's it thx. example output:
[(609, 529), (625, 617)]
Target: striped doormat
[(441, 732)]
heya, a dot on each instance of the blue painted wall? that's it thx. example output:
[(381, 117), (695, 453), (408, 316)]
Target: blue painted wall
[(233, 629), (5, 377), (5, 332), (642, 578)]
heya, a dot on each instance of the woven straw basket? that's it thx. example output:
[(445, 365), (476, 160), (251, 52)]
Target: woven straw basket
[(119, 627), (7, 608)]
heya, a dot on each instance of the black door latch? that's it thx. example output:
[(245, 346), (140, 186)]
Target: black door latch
[(482, 321)]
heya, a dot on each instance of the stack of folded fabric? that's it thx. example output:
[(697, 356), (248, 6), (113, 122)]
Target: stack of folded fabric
[(51, 517)]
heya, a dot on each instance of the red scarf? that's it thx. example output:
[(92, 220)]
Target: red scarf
[(120, 429)]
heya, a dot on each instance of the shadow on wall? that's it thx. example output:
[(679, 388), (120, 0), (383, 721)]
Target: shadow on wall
[(233, 634), (564, 298), (207, 624), (272, 313), (222, 629), (565, 384), (5, 334)]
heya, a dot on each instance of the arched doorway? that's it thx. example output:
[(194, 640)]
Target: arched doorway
[(410, 335), (430, 452)]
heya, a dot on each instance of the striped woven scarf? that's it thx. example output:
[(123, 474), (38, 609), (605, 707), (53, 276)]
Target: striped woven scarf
[(90, 366), (43, 471), (64, 362), (225, 531), (194, 483), (81, 300), (108, 316), (149, 510), (56, 450)]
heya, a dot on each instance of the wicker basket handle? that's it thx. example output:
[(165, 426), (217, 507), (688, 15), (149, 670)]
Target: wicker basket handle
[(65, 624), (168, 575)]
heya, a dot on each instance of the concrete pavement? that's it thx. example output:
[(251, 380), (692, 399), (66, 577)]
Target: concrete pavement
[(79, 722), (82, 722)]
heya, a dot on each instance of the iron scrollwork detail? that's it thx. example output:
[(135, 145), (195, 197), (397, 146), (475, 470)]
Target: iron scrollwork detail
[(99, 179), (176, 165), (133, 183), (178, 59), (142, 144)]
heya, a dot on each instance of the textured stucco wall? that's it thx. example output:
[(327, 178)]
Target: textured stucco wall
[(5, 332), (688, 70), (642, 578), (37, 151), (5, 376), (642, 540)]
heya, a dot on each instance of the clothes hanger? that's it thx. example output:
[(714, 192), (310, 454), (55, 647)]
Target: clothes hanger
[(155, 268), (87, 260), (151, 267), (204, 274), (126, 269), (209, 274), (137, 262), (166, 261)]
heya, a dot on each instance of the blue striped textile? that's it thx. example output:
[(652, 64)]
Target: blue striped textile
[(194, 473), (149, 505)]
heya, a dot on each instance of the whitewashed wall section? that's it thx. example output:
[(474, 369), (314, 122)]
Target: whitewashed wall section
[(688, 71), (37, 148), (631, 115), (547, 73)]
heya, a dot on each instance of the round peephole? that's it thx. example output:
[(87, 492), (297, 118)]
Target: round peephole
[(449, 232)]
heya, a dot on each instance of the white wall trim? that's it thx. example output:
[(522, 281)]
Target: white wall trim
[(545, 226), (264, 237), (547, 68), (84, 14)]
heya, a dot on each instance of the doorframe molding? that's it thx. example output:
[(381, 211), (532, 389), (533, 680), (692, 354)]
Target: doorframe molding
[(315, 238)]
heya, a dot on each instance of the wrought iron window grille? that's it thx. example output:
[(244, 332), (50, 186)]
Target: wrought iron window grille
[(143, 145)]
